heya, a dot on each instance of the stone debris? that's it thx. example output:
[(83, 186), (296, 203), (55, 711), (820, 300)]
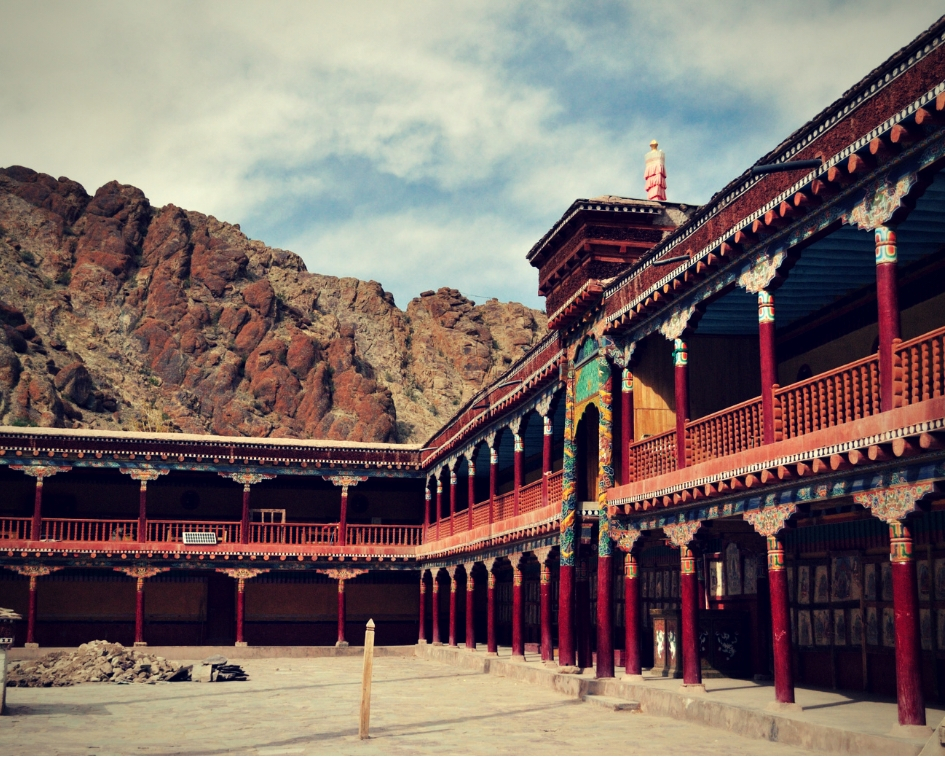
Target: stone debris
[(217, 668), (95, 662)]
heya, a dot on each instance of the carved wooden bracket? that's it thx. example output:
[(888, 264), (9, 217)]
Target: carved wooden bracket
[(42, 471), (144, 473), (343, 574), (246, 478), (770, 520), (682, 534), (893, 504), (345, 481)]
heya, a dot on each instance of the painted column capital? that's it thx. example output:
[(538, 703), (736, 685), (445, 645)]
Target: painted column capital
[(242, 574), (682, 534), (141, 571), (40, 472), (680, 353), (33, 570), (543, 406), (881, 201), (343, 574), (677, 323), (894, 503), (886, 249), (247, 478), (760, 272), (345, 482), (542, 554), (770, 520), (625, 538), (765, 307), (144, 473)]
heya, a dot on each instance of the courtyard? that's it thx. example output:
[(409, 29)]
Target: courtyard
[(310, 706)]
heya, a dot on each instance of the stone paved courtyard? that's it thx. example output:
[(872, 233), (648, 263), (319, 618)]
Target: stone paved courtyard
[(310, 706)]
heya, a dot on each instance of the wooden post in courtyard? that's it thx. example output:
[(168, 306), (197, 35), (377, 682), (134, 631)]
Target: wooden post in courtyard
[(518, 609), (435, 620), (139, 573), (241, 575), (452, 629), (544, 596), (681, 535), (341, 575), (492, 647), (470, 609), (631, 614), (365, 722), (422, 635), (33, 572)]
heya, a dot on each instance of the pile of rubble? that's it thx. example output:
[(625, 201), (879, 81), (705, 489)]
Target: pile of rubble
[(97, 661), (218, 668)]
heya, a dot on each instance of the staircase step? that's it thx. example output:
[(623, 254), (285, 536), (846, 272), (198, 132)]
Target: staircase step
[(613, 703)]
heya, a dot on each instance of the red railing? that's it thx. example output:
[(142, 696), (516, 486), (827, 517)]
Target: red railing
[(920, 368), (293, 533), (388, 536), (480, 514), (73, 529), (14, 529), (654, 455), (172, 530), (726, 432), (839, 396), (529, 497), (554, 486), (504, 506)]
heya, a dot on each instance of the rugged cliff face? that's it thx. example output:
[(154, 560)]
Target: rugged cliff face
[(115, 314)]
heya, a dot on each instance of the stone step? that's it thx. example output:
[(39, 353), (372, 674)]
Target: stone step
[(613, 703)]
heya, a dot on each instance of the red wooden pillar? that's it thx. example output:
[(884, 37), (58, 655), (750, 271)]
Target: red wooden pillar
[(36, 528), (422, 635), (139, 613), (626, 424), (31, 614), (452, 501), (518, 457), (143, 511), (426, 513), (244, 518), (439, 511), (780, 622), (906, 609), (470, 609), (605, 626), (546, 440), (437, 641), (471, 491), (631, 615), (887, 299), (769, 362), (452, 628), (688, 589), (492, 648), (566, 646), (342, 615), (240, 610), (493, 474), (681, 373), (547, 645), (583, 610), (518, 609)]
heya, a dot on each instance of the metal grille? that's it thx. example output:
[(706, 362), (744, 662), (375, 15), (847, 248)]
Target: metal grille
[(199, 537)]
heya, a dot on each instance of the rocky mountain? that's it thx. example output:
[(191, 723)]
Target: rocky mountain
[(116, 314)]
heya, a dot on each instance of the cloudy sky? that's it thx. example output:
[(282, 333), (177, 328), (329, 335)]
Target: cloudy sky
[(421, 144)]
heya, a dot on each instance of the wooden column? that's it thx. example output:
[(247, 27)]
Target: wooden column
[(246, 479), (566, 648), (682, 535), (605, 481), (518, 609), (422, 634), (452, 636), (492, 647), (242, 575), (583, 612), (769, 362), (344, 482), (342, 614), (439, 509), (452, 501), (39, 472), (894, 505), (547, 645), (493, 474), (33, 572), (470, 608), (631, 616), (426, 512), (769, 522), (681, 374), (471, 491), (546, 442), (518, 458), (437, 640), (626, 424), (140, 573), (887, 300), (143, 474)]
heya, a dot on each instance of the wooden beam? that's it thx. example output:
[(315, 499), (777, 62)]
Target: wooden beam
[(929, 441), (836, 175), (925, 117), (805, 200), (803, 469), (819, 466), (858, 164), (900, 136), (903, 447), (822, 190), (879, 149), (786, 210), (785, 474), (877, 453), (744, 238)]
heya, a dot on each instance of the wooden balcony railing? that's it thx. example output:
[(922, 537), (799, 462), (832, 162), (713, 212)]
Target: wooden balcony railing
[(725, 432), (75, 529), (529, 497), (839, 396), (14, 529), (293, 533), (654, 456), (554, 486), (504, 505), (387, 536), (919, 366), (172, 530), (480, 514)]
